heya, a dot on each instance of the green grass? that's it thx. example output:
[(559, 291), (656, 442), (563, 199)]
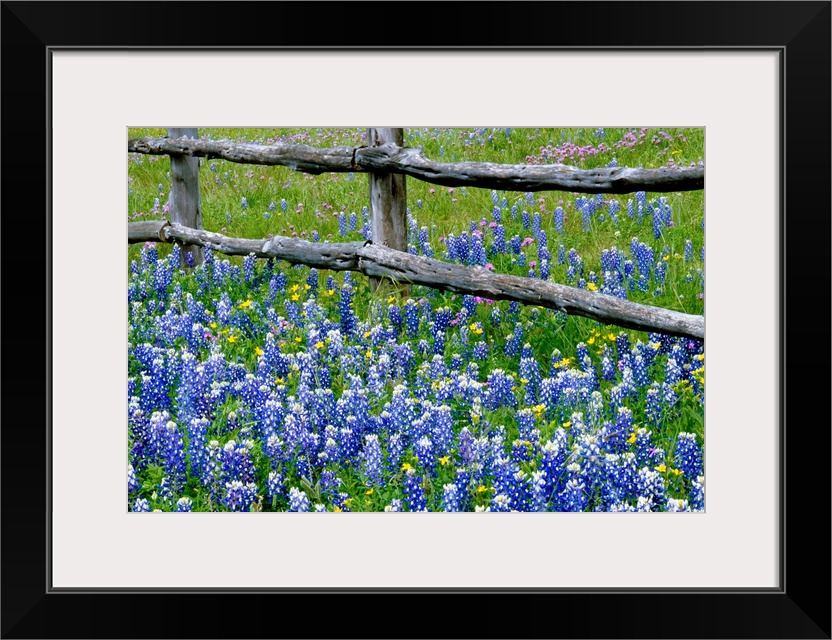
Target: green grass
[(315, 201)]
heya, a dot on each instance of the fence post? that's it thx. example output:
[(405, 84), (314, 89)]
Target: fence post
[(185, 206), (388, 200)]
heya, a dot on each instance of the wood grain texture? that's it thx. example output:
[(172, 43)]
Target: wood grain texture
[(379, 261), (185, 205), (295, 156), (388, 199), (394, 158)]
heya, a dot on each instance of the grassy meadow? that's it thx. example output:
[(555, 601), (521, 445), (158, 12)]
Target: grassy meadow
[(257, 385)]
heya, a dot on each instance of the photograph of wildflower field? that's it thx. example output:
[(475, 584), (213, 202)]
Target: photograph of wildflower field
[(259, 385)]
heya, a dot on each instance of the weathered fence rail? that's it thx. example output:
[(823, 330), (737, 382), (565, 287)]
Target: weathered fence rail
[(382, 262), (393, 158)]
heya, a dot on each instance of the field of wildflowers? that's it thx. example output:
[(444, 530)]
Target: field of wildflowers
[(261, 386)]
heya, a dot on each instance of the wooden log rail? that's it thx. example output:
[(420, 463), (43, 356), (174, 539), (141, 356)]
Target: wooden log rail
[(379, 261), (393, 158)]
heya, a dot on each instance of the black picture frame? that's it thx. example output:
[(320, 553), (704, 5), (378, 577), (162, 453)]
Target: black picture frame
[(800, 608)]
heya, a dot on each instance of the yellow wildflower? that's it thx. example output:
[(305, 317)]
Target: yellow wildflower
[(406, 466), (591, 340), (244, 305), (295, 297), (444, 461), (298, 339), (319, 345), (213, 325), (258, 351), (232, 339), (482, 488), (337, 510), (632, 438), (390, 300), (369, 492), (591, 286), (294, 288), (661, 468), (567, 424)]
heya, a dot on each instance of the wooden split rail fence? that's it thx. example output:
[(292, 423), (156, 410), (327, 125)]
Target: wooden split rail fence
[(387, 163)]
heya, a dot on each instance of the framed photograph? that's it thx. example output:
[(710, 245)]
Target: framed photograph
[(750, 558)]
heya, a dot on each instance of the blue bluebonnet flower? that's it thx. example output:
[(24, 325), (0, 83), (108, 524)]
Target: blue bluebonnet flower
[(688, 250), (298, 501), (141, 505), (688, 455), (697, 494), (480, 351), (530, 378), (411, 317), (650, 486), (451, 498), (654, 408), (184, 505), (394, 506), (641, 204), (676, 505), (414, 492), (574, 496), (620, 478), (240, 496), (514, 342), (197, 442), (236, 462), (500, 390), (342, 224), (275, 486), (373, 462), (501, 503), (539, 498), (132, 482), (613, 208), (349, 323)]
